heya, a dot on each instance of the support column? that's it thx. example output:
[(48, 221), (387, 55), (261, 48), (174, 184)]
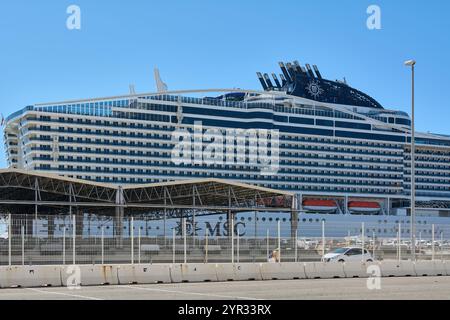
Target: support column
[(230, 216), (230, 220), (294, 218), (118, 219), (294, 224), (50, 226), (79, 219)]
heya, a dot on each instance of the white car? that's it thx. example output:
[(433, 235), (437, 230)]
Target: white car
[(348, 254)]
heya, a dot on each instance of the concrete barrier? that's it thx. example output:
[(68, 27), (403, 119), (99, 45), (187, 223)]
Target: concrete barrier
[(247, 271), (143, 274), (324, 270), (440, 268), (429, 268), (282, 271), (29, 276), (89, 275), (393, 268), (194, 272), (446, 265), (358, 269), (225, 272)]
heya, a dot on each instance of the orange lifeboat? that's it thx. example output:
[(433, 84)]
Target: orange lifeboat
[(364, 207), (322, 206)]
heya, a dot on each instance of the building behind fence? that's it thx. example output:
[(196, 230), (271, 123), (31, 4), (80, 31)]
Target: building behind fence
[(26, 240)]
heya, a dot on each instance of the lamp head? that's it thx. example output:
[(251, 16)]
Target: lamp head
[(410, 63)]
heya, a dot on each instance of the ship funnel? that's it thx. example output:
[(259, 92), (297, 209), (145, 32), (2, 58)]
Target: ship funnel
[(291, 70), (283, 79), (269, 83), (317, 72), (274, 76), (298, 68), (285, 72), (310, 72), (261, 79)]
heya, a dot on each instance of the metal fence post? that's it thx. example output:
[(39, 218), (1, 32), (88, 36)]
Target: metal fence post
[(279, 241), (103, 245), (9, 239), (362, 241), (432, 242), (420, 242), (184, 240), (323, 238), (296, 246), (23, 245), (139, 245), (237, 236), (267, 244), (206, 246), (64, 244), (232, 238), (399, 242), (442, 243), (374, 245), (132, 239), (73, 239), (173, 246)]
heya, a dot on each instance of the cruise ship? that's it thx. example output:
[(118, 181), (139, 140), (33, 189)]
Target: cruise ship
[(344, 154)]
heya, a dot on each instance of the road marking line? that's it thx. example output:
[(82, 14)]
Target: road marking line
[(64, 294), (192, 293)]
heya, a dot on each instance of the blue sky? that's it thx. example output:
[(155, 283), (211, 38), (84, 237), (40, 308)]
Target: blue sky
[(212, 44)]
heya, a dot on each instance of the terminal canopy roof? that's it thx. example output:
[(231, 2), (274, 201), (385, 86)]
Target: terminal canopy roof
[(25, 191)]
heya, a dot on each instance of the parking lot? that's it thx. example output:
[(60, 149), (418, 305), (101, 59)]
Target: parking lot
[(429, 288)]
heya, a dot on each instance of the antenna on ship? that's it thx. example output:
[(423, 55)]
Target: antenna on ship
[(132, 90), (160, 85)]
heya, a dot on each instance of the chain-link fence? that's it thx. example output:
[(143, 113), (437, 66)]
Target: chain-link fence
[(70, 239)]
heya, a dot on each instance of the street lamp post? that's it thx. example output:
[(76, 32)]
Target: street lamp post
[(412, 63)]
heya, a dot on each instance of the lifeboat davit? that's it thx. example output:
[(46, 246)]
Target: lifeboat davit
[(364, 207), (322, 206)]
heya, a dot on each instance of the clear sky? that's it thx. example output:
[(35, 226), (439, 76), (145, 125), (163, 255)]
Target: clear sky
[(218, 44)]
